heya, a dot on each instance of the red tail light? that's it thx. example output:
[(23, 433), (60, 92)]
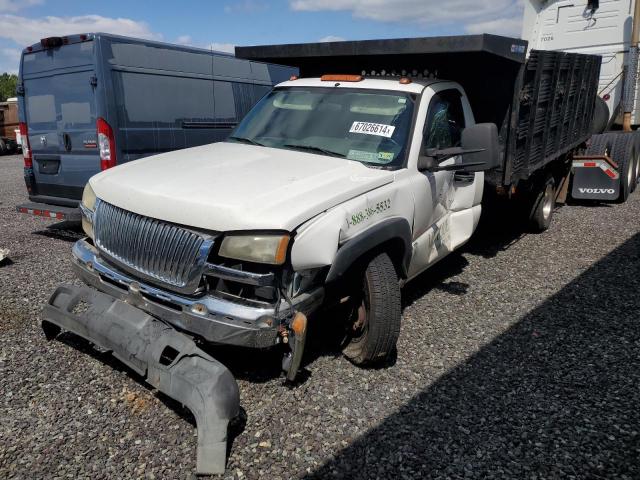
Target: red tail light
[(106, 145), (26, 147)]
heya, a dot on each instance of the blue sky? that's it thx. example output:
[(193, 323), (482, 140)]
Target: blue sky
[(225, 23)]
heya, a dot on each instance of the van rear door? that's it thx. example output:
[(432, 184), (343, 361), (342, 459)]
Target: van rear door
[(60, 111)]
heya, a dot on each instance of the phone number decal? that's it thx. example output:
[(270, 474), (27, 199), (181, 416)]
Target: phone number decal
[(368, 213)]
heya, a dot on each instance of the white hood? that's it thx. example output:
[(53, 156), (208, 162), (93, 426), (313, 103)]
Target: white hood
[(230, 186)]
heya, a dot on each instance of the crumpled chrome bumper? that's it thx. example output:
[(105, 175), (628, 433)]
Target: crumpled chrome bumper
[(168, 359), (216, 320)]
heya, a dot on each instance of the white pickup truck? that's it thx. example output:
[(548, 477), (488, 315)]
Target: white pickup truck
[(327, 179), (334, 189)]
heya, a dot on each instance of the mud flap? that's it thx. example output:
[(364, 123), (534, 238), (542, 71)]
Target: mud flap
[(595, 178), (169, 360)]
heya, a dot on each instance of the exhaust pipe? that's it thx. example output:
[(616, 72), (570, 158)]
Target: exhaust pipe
[(629, 90)]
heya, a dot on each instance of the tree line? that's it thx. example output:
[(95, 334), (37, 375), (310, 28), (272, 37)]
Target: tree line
[(8, 83)]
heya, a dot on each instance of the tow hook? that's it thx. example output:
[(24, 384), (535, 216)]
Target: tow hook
[(292, 360)]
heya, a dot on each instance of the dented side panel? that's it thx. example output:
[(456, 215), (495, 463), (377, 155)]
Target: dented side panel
[(317, 241)]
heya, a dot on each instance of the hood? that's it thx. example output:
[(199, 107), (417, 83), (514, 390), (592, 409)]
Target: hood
[(230, 186)]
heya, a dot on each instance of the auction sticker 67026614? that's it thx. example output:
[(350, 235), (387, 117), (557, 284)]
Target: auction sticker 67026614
[(367, 128)]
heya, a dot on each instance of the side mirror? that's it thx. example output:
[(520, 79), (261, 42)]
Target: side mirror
[(481, 140), (480, 151)]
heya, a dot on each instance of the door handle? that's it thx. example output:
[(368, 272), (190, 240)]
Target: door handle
[(67, 141), (464, 177)]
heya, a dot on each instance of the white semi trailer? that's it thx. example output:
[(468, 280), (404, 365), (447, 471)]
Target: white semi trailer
[(609, 28)]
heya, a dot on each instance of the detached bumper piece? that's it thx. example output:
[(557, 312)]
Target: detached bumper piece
[(169, 360)]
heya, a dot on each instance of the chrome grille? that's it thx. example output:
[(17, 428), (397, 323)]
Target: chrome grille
[(156, 249)]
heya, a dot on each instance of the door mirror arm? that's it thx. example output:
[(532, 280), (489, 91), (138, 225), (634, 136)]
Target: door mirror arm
[(433, 157)]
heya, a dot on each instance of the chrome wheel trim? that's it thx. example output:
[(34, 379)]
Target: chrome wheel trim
[(547, 206)]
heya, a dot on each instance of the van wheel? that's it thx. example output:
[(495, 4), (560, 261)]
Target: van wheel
[(543, 206), (3, 147), (374, 324)]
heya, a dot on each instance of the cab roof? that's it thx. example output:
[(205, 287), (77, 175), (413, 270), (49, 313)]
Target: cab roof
[(382, 83)]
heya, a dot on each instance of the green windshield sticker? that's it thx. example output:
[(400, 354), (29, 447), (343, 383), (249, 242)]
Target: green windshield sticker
[(370, 157)]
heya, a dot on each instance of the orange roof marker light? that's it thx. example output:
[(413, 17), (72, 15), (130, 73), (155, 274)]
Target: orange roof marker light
[(293, 78), (405, 81), (341, 78)]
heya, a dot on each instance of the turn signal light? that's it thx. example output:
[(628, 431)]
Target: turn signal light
[(341, 78)]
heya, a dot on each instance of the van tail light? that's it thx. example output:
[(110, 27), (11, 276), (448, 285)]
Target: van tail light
[(106, 144), (26, 147)]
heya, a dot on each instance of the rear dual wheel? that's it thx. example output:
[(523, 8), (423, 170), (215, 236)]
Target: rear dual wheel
[(637, 161), (543, 206), (624, 152)]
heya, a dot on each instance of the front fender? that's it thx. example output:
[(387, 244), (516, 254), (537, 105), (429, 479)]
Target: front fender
[(392, 230), (356, 227)]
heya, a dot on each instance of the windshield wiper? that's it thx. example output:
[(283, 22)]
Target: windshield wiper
[(312, 148), (246, 140)]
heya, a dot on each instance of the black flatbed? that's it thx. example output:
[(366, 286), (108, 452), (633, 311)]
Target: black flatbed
[(512, 49)]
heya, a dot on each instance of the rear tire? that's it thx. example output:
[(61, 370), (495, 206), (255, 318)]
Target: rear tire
[(600, 116), (637, 157), (3, 147), (374, 326), (543, 206), (624, 154)]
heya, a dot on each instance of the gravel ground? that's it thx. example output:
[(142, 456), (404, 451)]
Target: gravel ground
[(518, 358)]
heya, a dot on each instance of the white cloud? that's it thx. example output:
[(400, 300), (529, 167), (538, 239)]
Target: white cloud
[(184, 40), (332, 38), (222, 47), (25, 31), (500, 16), (247, 6), (7, 6), (504, 26)]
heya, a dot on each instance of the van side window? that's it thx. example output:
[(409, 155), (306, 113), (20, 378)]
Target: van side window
[(445, 120)]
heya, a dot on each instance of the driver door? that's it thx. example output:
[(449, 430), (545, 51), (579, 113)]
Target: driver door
[(441, 193)]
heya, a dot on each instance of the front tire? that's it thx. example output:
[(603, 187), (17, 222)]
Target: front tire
[(374, 326)]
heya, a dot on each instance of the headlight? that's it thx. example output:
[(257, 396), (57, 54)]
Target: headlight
[(88, 206), (270, 249)]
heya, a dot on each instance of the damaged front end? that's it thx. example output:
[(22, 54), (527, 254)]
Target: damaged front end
[(154, 289)]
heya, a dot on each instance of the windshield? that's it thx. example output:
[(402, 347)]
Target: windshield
[(368, 126)]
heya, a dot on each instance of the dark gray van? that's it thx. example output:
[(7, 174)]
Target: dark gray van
[(91, 101)]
